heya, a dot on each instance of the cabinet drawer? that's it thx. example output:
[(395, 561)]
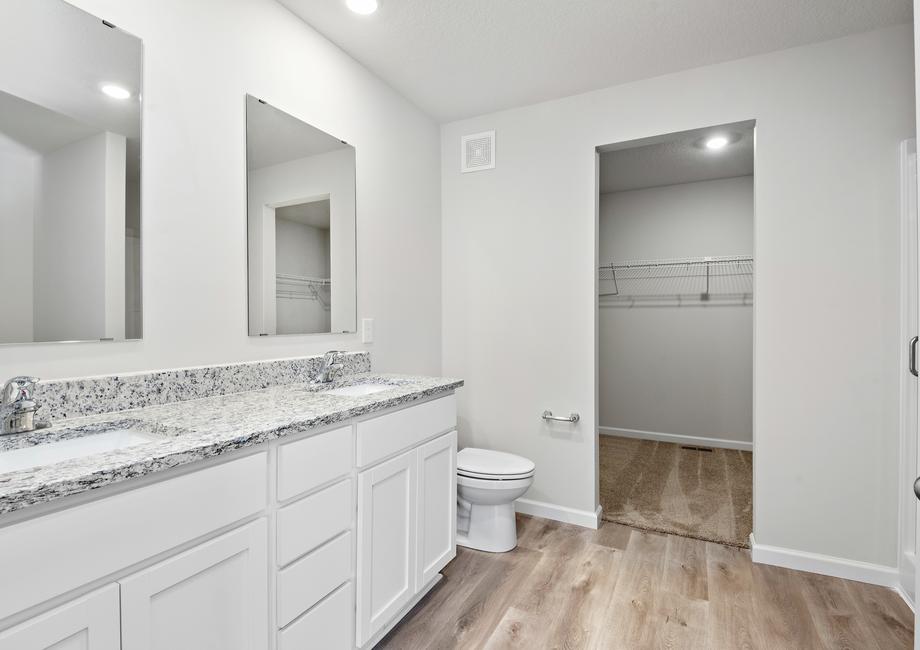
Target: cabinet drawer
[(309, 579), (308, 463), (305, 524), (328, 626), (388, 434)]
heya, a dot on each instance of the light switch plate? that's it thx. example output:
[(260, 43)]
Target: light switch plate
[(367, 330)]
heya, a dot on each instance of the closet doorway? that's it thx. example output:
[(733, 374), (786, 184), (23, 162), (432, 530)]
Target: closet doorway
[(675, 341)]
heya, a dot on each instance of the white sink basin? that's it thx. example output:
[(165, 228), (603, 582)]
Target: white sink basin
[(358, 390), (55, 452)]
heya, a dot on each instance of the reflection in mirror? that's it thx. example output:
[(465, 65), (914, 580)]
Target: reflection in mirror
[(301, 223), (70, 142)]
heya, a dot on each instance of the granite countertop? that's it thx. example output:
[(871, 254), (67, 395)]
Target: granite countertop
[(192, 430)]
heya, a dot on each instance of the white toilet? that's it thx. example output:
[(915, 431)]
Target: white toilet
[(488, 482)]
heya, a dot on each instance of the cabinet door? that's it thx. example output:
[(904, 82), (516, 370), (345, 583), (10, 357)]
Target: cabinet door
[(87, 623), (212, 597), (386, 542), (437, 506)]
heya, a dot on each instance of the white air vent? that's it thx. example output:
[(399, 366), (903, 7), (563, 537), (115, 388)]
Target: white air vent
[(477, 152)]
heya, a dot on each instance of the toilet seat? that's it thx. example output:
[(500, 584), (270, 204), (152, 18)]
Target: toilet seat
[(493, 477), (490, 465), (493, 484)]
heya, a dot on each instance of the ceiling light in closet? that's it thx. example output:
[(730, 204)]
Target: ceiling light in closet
[(363, 7), (116, 92), (717, 142)]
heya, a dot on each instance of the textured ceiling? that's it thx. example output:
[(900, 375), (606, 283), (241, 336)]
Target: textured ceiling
[(459, 58), (677, 158)]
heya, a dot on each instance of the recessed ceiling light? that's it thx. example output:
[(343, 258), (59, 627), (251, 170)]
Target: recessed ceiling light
[(116, 92), (716, 142), (363, 7)]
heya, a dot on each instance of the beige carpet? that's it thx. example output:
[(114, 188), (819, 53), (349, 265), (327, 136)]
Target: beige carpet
[(663, 487)]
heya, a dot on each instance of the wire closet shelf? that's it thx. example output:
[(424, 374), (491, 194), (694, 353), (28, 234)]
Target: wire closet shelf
[(298, 287), (681, 280)]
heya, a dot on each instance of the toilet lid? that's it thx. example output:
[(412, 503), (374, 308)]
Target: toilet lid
[(487, 463)]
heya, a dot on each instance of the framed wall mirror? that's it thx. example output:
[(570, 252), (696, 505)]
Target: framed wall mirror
[(301, 226), (70, 170)]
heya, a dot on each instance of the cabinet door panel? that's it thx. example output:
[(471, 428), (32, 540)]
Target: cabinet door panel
[(87, 623), (386, 542), (212, 597), (437, 506)]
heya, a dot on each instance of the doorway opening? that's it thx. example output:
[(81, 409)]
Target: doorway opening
[(676, 332), (302, 267)]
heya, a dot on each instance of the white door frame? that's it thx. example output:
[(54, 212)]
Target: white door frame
[(908, 385)]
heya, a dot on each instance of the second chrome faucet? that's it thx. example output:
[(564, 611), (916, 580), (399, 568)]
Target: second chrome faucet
[(330, 366)]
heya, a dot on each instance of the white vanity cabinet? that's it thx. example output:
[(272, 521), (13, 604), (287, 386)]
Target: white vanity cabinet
[(407, 527), (90, 622), (406, 511), (320, 540)]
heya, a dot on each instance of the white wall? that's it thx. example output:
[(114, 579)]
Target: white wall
[(685, 370), (519, 246), (200, 60), (79, 241), (19, 168), (328, 175), (707, 218), (301, 250)]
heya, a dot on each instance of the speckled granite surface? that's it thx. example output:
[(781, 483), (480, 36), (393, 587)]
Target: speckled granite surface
[(192, 430), (67, 398)]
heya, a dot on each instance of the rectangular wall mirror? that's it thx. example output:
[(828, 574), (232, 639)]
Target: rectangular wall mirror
[(70, 167), (301, 226)]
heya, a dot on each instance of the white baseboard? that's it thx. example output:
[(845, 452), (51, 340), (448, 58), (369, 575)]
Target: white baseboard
[(679, 439), (584, 518), (899, 590), (874, 574)]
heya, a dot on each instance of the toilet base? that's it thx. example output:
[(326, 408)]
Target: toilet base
[(490, 528)]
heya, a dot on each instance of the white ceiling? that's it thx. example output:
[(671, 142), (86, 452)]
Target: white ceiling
[(314, 213), (274, 137), (459, 58), (677, 158)]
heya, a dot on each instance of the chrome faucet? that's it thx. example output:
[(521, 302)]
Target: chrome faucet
[(17, 408), (330, 365)]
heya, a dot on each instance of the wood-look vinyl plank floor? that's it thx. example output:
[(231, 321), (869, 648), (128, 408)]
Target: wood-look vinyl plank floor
[(619, 587)]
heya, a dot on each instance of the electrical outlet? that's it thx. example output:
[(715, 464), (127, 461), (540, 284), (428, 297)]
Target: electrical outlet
[(367, 330)]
